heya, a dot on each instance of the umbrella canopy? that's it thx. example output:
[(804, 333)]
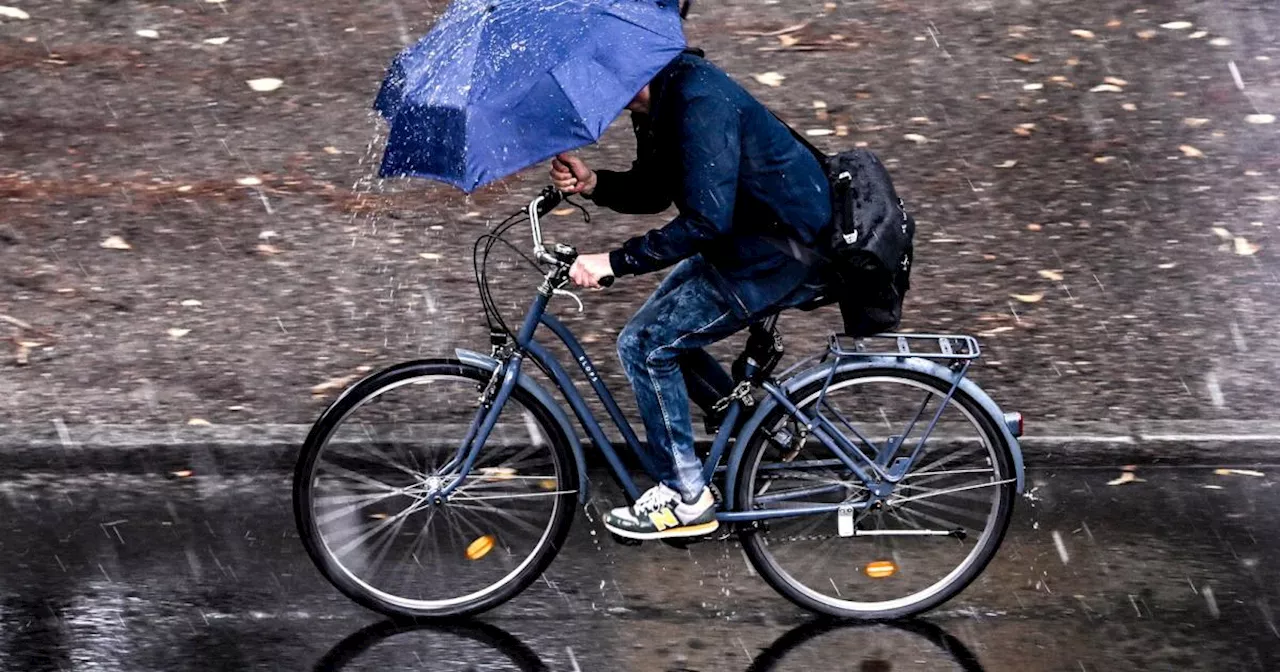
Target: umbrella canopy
[(499, 85)]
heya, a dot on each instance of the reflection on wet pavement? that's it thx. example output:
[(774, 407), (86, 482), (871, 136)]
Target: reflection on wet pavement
[(1173, 568)]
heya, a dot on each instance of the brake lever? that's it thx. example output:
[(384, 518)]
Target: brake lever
[(565, 292)]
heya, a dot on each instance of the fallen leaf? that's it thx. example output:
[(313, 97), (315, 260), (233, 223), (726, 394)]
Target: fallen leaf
[(1025, 58), (265, 84), (176, 333), (1146, 34), (1261, 118), (770, 78), (1195, 121), (1125, 477), (186, 473), (1167, 266), (1115, 23), (1177, 25), (1033, 86), (332, 384), (1007, 164), (217, 41), (191, 303), (993, 332), (199, 422), (916, 138), (1034, 227), (268, 235), (1244, 248), (23, 356), (1103, 159), (249, 181), (115, 243), (147, 33), (431, 256), (332, 150), (1116, 81), (1055, 276), (1083, 34), (788, 40), (185, 188), (563, 212), (1198, 34), (1028, 298), (1191, 151), (269, 250), (1023, 131), (1222, 233), (1220, 42), (13, 13), (1106, 88), (1130, 107), (1239, 472), (818, 132)]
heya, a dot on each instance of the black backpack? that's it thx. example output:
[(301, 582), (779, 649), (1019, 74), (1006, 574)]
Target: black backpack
[(865, 261)]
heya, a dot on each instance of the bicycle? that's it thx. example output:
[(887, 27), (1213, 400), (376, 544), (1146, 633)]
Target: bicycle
[(837, 506)]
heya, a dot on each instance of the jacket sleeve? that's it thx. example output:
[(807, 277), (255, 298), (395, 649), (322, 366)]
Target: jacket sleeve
[(638, 191), (710, 149)]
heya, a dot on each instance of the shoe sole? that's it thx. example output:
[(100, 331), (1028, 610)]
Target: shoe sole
[(686, 531)]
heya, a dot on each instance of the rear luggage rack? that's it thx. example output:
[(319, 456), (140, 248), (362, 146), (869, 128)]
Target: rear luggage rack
[(927, 346)]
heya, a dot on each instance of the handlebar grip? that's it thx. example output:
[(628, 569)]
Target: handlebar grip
[(551, 197), (607, 281)]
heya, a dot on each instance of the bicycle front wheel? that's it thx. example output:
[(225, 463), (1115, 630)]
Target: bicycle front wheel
[(366, 482), (923, 544)]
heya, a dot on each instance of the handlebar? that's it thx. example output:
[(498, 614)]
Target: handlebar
[(543, 203)]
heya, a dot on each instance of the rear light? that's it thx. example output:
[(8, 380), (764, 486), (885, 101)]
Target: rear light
[(1014, 422)]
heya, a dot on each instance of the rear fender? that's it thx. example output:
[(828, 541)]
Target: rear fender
[(543, 397), (915, 364)]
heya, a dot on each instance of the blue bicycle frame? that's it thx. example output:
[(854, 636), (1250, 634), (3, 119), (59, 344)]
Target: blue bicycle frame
[(878, 467)]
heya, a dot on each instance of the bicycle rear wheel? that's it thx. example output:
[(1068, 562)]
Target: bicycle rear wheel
[(366, 480), (934, 534)]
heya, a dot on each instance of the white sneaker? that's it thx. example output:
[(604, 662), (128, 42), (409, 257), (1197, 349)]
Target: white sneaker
[(661, 512)]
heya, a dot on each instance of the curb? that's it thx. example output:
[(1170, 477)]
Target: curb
[(56, 446)]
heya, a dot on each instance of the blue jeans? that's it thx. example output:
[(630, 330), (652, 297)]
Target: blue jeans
[(662, 353)]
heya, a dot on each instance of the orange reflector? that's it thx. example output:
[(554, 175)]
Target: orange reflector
[(881, 569), (548, 484), (480, 547), (378, 516)]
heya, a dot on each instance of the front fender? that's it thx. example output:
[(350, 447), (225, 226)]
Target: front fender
[(540, 393), (916, 364)]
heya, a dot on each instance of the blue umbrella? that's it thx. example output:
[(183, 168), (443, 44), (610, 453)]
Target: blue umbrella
[(499, 85)]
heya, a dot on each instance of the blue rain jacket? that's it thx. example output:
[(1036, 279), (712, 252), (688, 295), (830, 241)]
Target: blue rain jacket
[(740, 181)]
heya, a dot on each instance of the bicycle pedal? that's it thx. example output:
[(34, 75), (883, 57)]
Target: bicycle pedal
[(625, 541)]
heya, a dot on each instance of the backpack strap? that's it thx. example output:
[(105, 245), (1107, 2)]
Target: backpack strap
[(818, 153)]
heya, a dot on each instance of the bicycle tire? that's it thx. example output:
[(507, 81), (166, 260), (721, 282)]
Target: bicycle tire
[(370, 387), (753, 543)]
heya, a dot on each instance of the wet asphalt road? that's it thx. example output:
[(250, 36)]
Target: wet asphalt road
[(1178, 570)]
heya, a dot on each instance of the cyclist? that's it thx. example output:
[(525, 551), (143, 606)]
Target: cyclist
[(740, 182)]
